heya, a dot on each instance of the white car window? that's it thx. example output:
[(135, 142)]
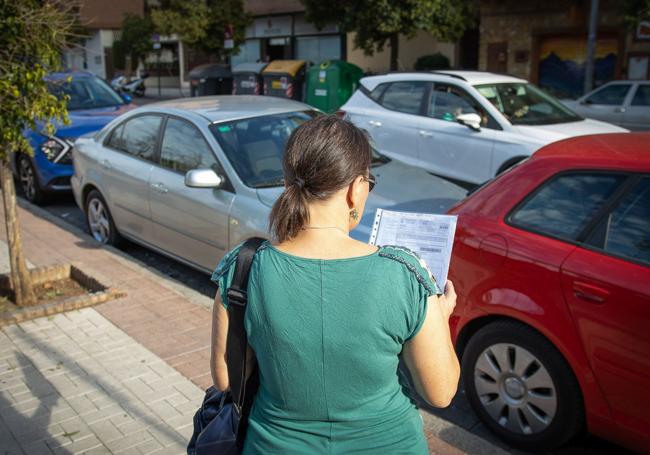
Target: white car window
[(524, 104), (448, 102), (612, 95), (404, 96)]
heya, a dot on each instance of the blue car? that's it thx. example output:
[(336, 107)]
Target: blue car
[(93, 103)]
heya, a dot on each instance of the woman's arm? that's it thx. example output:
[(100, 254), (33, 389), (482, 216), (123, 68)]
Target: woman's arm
[(218, 366), (430, 354)]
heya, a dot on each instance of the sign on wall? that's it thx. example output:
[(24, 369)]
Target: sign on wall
[(272, 26), (643, 30)]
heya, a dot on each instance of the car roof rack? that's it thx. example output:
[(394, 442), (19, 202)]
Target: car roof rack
[(457, 76)]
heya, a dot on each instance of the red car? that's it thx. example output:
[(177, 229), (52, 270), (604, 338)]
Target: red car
[(551, 263)]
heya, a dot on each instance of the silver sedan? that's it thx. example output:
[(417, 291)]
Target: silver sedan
[(624, 103), (193, 178)]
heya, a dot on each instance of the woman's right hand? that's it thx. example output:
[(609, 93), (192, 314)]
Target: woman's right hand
[(448, 300)]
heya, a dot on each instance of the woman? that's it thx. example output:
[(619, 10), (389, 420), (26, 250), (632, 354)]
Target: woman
[(328, 316)]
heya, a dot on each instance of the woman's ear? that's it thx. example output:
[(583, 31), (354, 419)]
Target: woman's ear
[(354, 192)]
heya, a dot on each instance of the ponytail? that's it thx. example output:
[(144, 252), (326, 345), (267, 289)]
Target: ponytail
[(289, 214)]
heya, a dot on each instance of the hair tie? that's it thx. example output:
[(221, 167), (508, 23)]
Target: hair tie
[(300, 183)]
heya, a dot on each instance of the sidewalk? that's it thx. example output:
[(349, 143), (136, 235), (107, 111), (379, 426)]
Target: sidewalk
[(125, 376)]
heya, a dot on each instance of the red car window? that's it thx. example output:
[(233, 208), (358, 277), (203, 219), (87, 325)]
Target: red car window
[(564, 205)]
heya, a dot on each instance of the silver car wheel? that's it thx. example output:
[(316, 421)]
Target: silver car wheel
[(27, 179), (100, 227), (515, 389)]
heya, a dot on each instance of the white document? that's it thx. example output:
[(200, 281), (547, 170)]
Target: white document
[(430, 236)]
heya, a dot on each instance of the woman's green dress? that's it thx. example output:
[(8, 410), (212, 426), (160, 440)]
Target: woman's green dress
[(327, 335)]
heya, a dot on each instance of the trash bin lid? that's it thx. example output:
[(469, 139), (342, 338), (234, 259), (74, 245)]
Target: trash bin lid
[(341, 64), (249, 67), (210, 70), (290, 67)]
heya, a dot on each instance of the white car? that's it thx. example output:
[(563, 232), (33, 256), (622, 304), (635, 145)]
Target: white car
[(466, 125), (624, 103)]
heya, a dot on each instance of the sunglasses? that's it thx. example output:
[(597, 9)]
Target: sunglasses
[(372, 181)]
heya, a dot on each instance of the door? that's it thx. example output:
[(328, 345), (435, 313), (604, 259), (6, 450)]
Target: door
[(606, 104), (190, 223), (126, 168), (497, 57), (448, 148), (394, 128), (607, 287), (637, 114)]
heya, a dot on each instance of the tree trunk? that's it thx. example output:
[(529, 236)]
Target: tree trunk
[(21, 280), (394, 51)]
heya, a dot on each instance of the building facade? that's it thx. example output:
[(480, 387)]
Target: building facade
[(279, 30), (546, 43), (102, 24)]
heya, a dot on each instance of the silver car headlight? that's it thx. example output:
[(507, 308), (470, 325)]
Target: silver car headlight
[(56, 149)]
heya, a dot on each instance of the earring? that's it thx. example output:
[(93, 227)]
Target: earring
[(354, 214)]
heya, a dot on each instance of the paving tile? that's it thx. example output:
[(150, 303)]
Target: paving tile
[(129, 441), (106, 431)]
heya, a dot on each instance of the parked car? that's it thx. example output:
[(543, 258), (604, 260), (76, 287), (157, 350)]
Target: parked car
[(467, 125), (193, 178), (624, 103), (132, 86), (551, 263), (92, 104)]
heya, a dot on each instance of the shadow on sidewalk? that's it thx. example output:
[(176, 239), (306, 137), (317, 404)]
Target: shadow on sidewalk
[(118, 396), (28, 430)]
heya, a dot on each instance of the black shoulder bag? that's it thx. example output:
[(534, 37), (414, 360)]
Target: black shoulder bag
[(220, 423)]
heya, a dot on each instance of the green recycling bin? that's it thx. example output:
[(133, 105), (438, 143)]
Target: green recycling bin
[(331, 84)]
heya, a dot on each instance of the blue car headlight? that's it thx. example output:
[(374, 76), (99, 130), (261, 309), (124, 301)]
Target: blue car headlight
[(57, 150)]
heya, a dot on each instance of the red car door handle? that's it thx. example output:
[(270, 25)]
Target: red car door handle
[(589, 292)]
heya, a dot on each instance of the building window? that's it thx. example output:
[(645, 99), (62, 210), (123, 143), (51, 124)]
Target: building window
[(250, 51), (315, 49)]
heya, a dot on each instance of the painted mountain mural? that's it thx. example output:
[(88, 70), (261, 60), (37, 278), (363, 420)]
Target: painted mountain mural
[(565, 78)]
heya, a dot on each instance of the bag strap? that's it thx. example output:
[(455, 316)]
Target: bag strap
[(237, 342)]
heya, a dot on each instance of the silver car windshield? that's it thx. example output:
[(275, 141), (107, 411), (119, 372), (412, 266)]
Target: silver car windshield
[(525, 104), (255, 146)]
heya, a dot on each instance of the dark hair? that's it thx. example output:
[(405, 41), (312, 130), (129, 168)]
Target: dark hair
[(323, 155)]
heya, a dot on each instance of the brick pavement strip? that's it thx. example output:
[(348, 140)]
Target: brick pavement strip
[(87, 410)]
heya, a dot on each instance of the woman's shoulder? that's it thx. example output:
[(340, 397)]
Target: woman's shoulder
[(229, 259), (410, 262)]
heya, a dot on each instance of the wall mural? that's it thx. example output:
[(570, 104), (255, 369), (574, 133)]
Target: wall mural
[(562, 64)]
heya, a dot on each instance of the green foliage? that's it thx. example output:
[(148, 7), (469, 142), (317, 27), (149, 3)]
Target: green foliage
[(135, 40), (634, 11), (435, 61), (202, 25), (374, 21), (32, 33)]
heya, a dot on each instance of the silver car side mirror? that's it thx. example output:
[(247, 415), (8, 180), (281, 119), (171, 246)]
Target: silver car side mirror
[(203, 178), (470, 120)]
